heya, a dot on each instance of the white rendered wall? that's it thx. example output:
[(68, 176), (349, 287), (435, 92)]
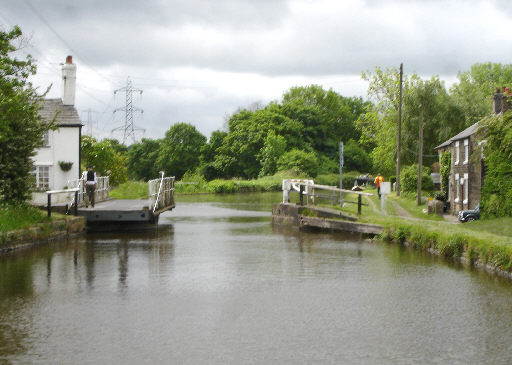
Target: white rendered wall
[(64, 146)]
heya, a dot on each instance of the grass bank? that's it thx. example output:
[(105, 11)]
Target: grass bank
[(453, 241), (12, 218), (195, 184), (482, 242), (130, 190)]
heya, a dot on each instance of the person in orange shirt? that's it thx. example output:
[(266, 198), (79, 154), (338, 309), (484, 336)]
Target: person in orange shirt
[(377, 182)]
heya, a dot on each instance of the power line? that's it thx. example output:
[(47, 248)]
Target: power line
[(43, 19)]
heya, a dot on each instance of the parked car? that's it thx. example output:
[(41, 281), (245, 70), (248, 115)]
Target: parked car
[(470, 214)]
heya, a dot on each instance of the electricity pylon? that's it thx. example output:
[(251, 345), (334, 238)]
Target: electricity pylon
[(129, 128)]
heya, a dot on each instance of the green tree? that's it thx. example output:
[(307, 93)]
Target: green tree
[(207, 158), (442, 119), (272, 149), (117, 146), (473, 93), (21, 127), (142, 158), (378, 124), (296, 159), (180, 150), (327, 117), (238, 154), (355, 158), (104, 159)]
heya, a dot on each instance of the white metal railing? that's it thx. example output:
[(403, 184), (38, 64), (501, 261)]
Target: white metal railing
[(101, 193), (295, 184), (63, 191), (161, 193), (307, 188)]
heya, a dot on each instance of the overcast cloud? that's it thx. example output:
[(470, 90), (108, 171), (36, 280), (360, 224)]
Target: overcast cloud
[(198, 61)]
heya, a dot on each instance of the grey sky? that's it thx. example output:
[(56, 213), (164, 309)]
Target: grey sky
[(198, 61)]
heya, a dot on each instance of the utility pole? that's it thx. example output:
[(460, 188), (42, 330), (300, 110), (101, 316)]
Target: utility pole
[(129, 128), (420, 154), (341, 173), (399, 134)]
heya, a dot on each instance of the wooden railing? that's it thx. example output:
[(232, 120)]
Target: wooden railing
[(161, 193)]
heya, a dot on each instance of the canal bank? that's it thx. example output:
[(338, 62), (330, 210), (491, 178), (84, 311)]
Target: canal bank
[(37, 234), (491, 253)]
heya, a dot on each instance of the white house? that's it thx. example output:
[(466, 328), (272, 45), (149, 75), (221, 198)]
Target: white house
[(58, 160)]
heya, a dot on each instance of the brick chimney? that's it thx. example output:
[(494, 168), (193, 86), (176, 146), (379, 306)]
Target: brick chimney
[(68, 81), (501, 100)]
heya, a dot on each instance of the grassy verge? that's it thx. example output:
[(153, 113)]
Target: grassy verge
[(130, 190), (453, 241), (409, 204), (486, 241), (195, 184), (12, 218), (263, 184)]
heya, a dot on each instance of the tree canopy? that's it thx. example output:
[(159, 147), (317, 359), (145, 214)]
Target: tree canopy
[(104, 158), (180, 150), (21, 127), (473, 93), (442, 117)]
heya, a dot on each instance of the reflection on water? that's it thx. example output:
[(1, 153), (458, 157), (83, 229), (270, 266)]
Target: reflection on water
[(217, 283)]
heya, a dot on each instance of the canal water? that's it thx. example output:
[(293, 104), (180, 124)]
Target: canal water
[(217, 284)]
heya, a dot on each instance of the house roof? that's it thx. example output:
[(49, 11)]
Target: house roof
[(67, 116), (464, 134)]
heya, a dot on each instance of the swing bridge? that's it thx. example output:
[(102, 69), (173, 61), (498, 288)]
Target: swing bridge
[(107, 211)]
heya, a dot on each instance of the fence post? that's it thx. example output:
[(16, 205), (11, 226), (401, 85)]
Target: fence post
[(49, 205), (359, 198), (76, 203), (301, 195)]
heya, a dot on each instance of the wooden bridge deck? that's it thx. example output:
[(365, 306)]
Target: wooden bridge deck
[(121, 211)]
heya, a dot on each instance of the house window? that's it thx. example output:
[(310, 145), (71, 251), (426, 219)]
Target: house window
[(46, 139), (456, 186), (42, 176), (466, 189), (456, 152), (466, 151)]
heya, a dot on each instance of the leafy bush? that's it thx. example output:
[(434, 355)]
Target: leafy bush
[(221, 186), (441, 196), (497, 191), (300, 160), (334, 179), (409, 179), (355, 157), (327, 165)]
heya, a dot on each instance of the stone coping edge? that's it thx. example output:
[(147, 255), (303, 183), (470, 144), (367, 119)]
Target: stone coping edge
[(41, 233)]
